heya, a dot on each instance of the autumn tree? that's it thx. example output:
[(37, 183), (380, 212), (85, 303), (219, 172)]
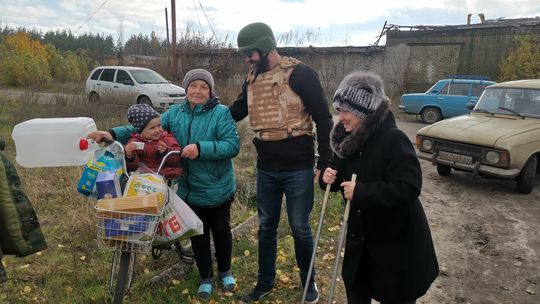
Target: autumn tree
[(522, 61), (24, 61)]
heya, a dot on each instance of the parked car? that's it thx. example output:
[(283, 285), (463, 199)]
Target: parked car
[(446, 98), (499, 138), (124, 84)]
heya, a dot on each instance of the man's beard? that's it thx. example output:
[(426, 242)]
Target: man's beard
[(260, 66)]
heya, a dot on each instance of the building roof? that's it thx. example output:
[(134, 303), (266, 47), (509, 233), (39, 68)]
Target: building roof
[(500, 22)]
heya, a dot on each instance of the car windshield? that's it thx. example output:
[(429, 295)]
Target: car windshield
[(510, 101), (432, 87), (147, 76)]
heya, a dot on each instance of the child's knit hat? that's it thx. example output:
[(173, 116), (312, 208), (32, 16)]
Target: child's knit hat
[(140, 115)]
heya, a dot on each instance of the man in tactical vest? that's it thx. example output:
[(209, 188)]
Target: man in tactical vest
[(283, 98)]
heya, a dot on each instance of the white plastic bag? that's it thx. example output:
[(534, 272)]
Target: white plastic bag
[(178, 222)]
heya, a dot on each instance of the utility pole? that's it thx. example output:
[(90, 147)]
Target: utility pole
[(167, 26), (173, 49), (168, 41)]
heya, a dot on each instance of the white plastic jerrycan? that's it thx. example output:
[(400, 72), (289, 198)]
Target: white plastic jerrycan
[(54, 142)]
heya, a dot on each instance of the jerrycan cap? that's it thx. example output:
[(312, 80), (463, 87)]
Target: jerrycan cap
[(83, 144)]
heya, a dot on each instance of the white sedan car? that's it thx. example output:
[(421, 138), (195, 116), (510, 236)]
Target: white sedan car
[(130, 85)]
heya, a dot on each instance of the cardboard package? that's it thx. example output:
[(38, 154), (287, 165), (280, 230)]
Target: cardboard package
[(87, 181), (149, 204), (108, 185)]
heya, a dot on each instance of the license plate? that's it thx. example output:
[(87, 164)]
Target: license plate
[(458, 158), (177, 100)]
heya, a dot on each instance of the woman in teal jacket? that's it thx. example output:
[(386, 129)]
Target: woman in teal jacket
[(207, 134)]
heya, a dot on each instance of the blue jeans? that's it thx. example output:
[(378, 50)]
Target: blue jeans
[(298, 189)]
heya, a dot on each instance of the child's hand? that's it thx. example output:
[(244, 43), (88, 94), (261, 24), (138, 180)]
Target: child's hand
[(162, 147), (130, 150)]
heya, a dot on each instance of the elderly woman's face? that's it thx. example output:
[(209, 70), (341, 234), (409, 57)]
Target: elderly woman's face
[(349, 120), (198, 92)]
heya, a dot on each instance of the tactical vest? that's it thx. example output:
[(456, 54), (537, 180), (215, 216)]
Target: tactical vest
[(275, 111)]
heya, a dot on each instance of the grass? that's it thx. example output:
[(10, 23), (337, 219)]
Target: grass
[(74, 270)]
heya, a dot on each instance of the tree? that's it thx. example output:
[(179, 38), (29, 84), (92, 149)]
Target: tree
[(523, 61), (24, 61)]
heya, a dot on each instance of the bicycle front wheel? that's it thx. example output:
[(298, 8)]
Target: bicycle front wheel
[(123, 279)]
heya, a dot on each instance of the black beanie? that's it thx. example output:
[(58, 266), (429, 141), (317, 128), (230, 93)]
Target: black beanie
[(140, 115)]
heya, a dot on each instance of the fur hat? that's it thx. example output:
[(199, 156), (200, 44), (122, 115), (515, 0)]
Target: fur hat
[(199, 74), (140, 115), (360, 93)]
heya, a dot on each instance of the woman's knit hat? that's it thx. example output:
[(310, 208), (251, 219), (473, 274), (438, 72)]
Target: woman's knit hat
[(140, 115), (199, 74), (360, 93)]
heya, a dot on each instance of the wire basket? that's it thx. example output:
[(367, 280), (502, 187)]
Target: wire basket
[(126, 231)]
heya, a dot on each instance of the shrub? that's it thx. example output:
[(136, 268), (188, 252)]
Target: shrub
[(522, 60), (24, 61)]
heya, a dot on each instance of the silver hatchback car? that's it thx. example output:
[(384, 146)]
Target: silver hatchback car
[(130, 85)]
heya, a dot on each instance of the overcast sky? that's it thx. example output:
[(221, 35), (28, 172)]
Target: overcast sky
[(328, 22)]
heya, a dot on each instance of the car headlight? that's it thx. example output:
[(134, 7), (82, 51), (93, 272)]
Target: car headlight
[(498, 158), (163, 94), (424, 144), (427, 144), (492, 157)]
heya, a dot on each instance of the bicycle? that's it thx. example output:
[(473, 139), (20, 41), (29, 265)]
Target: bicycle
[(128, 234)]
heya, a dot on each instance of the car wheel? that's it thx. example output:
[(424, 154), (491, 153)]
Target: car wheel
[(145, 100), (431, 115), (93, 98), (443, 170), (527, 177)]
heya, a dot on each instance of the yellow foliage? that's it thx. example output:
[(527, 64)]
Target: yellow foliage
[(22, 43), (522, 62), (24, 61)]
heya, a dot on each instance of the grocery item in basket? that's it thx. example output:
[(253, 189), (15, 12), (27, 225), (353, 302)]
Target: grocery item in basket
[(108, 185), (143, 184), (149, 204), (130, 226)]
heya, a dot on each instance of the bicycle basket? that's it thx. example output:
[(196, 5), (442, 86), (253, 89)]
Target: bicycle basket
[(128, 224)]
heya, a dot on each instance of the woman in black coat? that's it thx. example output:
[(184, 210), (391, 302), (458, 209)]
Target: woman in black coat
[(389, 254)]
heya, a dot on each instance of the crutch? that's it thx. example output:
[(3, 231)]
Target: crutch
[(342, 234), (311, 264)]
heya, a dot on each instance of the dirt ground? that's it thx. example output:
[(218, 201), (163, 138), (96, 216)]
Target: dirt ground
[(487, 239)]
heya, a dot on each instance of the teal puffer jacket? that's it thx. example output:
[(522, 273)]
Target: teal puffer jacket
[(208, 180)]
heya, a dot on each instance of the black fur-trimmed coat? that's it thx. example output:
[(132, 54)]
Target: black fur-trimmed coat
[(389, 252)]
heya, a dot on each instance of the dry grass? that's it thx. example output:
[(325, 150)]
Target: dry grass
[(74, 270), (67, 218)]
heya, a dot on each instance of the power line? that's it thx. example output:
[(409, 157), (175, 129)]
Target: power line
[(197, 14), (90, 17), (207, 20)]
